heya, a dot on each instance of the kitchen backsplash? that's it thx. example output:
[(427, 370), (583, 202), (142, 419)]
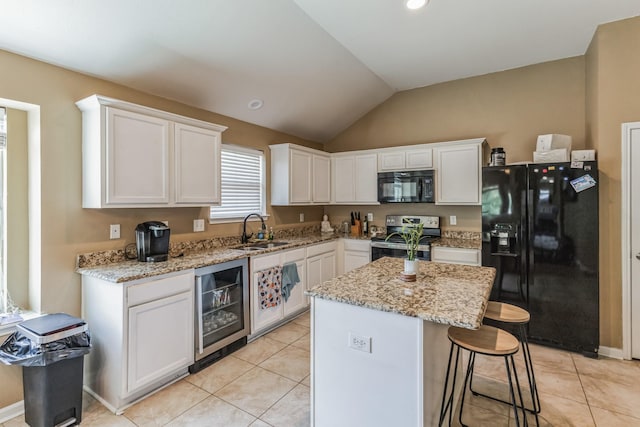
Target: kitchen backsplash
[(94, 259)]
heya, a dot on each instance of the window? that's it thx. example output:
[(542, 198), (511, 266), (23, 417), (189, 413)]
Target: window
[(242, 183)]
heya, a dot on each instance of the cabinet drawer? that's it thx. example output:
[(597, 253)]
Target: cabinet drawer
[(293, 255), (159, 288), (357, 245), (455, 255), (321, 248), (261, 262)]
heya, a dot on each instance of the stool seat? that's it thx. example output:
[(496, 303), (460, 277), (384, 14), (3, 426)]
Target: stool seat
[(486, 340), (506, 313)]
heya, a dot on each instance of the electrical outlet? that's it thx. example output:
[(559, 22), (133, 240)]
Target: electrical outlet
[(114, 231), (360, 342), (453, 220), (198, 225), (370, 216), (301, 216), (165, 222)]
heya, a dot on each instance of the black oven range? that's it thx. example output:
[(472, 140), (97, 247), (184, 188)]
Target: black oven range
[(395, 245)]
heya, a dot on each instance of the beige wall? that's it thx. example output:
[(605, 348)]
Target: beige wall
[(509, 108), (613, 98), (67, 229)]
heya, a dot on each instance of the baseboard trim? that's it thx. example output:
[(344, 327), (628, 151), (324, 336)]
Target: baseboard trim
[(10, 412), (611, 352)]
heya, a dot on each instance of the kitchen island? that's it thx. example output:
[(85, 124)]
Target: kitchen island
[(379, 345)]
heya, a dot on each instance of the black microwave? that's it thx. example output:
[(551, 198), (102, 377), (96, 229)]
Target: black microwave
[(406, 187)]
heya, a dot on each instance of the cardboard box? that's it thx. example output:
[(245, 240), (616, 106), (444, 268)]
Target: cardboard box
[(583, 155), (551, 156), (553, 141)]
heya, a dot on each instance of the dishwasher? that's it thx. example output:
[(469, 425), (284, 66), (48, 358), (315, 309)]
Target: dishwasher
[(222, 311)]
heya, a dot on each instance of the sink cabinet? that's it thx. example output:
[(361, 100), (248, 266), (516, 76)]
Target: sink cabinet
[(134, 156), (142, 335), (264, 319)]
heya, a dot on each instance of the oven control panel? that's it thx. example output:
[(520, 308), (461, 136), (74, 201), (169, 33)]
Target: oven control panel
[(400, 220)]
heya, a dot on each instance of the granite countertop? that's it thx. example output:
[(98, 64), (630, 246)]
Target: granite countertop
[(451, 242), (126, 271), (450, 294)]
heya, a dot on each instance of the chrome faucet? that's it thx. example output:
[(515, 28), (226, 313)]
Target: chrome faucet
[(245, 238)]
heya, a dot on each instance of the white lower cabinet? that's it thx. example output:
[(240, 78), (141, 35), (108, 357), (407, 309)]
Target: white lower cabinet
[(321, 263), (263, 318), (152, 326), (455, 255), (141, 333), (356, 253)]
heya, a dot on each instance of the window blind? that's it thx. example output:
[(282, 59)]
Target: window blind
[(242, 183)]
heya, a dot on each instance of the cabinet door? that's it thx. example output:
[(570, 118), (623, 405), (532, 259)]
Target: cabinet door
[(300, 179), (321, 179), (355, 259), (197, 165), (459, 175), (297, 299), (137, 159), (391, 161), (328, 267), (261, 318), (366, 179), (160, 339), (344, 175), (419, 159), (314, 271)]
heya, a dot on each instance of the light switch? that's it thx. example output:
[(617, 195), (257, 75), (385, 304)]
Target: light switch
[(114, 231), (453, 220)]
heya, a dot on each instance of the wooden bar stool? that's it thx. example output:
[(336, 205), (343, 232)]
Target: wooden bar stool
[(489, 341), (517, 317)]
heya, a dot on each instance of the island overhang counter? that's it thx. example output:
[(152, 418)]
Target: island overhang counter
[(379, 346)]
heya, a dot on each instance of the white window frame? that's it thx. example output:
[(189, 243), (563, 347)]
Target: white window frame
[(4, 288), (221, 218)]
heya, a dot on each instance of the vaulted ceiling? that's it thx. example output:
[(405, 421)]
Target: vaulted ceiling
[(318, 65)]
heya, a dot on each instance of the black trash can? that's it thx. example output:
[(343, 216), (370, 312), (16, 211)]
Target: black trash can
[(50, 349)]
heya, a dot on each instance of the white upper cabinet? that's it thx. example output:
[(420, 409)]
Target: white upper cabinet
[(134, 156), (197, 165), (299, 175), (355, 178), (405, 158), (459, 172)]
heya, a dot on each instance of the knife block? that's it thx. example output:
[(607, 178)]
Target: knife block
[(356, 230)]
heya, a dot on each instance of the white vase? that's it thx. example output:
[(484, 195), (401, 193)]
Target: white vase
[(411, 266)]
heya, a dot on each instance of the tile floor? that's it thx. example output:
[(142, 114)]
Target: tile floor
[(266, 383)]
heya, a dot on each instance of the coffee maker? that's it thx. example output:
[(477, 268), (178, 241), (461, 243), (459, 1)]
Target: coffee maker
[(152, 241)]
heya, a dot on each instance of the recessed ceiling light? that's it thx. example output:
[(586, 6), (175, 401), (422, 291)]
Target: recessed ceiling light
[(416, 4), (256, 104)]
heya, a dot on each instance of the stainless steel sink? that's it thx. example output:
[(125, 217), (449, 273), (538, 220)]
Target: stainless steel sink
[(265, 245), (257, 246)]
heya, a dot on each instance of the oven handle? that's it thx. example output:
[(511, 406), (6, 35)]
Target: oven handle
[(199, 314)]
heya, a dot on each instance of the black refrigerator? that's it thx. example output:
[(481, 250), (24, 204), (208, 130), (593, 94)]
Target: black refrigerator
[(540, 232)]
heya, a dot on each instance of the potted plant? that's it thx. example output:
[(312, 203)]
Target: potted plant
[(412, 235)]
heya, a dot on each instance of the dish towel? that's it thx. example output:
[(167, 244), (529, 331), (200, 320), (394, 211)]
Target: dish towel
[(289, 279), (270, 287)]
